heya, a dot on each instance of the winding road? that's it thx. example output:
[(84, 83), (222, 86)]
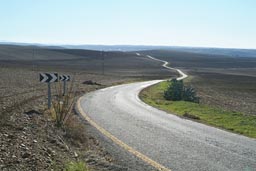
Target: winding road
[(165, 141)]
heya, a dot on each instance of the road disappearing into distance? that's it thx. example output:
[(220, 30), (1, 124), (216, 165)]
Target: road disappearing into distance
[(165, 65), (165, 141)]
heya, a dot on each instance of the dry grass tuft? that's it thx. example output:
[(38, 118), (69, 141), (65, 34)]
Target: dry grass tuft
[(75, 131), (62, 105)]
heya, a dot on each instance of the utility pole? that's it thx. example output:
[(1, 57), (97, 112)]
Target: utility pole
[(33, 58), (103, 62), (33, 66)]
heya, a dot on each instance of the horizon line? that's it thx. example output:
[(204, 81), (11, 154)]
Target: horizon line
[(145, 45)]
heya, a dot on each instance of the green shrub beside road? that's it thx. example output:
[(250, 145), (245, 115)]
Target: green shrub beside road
[(176, 91), (229, 120)]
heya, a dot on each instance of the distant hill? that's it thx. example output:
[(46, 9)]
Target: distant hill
[(131, 48), (124, 48), (208, 51), (79, 60), (218, 51), (199, 60)]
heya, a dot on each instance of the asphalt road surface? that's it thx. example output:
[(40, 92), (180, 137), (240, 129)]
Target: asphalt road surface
[(165, 65), (176, 143)]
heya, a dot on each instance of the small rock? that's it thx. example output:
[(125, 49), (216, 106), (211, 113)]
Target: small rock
[(32, 112), (76, 155), (25, 155), (17, 161), (3, 149), (67, 148), (50, 151), (49, 161), (11, 136), (51, 140), (6, 135), (34, 141), (53, 153), (23, 145)]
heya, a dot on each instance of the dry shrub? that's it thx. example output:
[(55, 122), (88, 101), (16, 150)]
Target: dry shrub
[(190, 116), (75, 131), (62, 105)]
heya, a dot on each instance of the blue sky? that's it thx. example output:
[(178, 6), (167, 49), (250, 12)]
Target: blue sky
[(206, 23)]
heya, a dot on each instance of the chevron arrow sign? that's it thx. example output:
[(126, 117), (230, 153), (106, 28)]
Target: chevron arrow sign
[(64, 78), (48, 77)]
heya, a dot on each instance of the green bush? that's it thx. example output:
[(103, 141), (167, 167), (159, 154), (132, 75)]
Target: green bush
[(176, 91), (76, 166), (189, 94)]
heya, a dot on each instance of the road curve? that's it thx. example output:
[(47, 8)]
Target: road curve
[(175, 143), (165, 65)]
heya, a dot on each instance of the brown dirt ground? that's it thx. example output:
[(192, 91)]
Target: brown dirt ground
[(29, 139), (230, 90)]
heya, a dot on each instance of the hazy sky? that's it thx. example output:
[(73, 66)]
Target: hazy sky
[(210, 23)]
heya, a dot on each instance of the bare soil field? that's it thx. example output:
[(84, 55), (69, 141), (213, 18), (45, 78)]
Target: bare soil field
[(95, 62), (235, 92), (29, 139), (195, 60), (221, 81)]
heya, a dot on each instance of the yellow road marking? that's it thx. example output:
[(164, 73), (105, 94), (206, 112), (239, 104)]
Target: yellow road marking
[(119, 142)]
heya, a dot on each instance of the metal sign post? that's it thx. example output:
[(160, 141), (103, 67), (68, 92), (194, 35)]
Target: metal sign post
[(64, 78), (64, 87), (49, 96), (49, 78)]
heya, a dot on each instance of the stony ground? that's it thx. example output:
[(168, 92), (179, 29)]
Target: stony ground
[(29, 139)]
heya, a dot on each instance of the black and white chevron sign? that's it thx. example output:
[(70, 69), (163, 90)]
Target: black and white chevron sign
[(64, 78), (48, 77)]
